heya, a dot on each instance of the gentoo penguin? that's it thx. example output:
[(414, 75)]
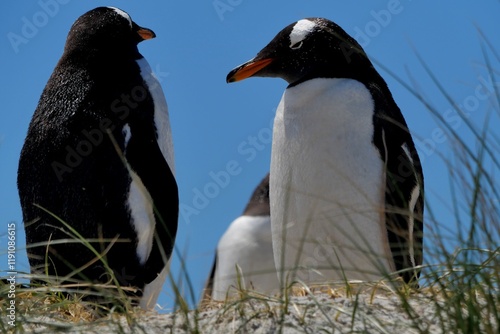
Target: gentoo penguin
[(244, 257), (346, 180), (95, 178)]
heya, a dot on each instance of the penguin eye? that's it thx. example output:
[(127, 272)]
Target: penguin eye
[(297, 45)]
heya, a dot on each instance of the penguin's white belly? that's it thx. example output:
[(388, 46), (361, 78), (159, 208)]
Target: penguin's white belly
[(246, 245), (327, 184)]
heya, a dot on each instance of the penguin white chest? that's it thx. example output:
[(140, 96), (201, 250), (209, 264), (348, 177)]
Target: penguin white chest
[(327, 183)]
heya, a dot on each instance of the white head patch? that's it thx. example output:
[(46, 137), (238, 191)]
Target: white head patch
[(300, 30), (122, 13)]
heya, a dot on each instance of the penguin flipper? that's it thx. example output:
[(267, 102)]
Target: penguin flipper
[(146, 160), (404, 201)]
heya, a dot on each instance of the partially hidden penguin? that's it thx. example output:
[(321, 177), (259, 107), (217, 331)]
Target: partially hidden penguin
[(244, 258)]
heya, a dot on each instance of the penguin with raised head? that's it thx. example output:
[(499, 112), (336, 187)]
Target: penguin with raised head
[(244, 257), (346, 180), (96, 172)]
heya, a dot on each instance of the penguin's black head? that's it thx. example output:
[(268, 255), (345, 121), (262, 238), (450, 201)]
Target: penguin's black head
[(106, 29), (259, 202), (307, 49)]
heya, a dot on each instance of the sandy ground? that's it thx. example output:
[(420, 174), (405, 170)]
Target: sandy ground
[(321, 312)]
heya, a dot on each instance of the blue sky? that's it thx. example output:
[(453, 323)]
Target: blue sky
[(219, 128)]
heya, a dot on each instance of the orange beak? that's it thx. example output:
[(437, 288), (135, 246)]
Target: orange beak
[(247, 69), (146, 33)]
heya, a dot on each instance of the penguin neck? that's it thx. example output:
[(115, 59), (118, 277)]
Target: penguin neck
[(98, 57), (363, 72), (331, 97), (366, 75)]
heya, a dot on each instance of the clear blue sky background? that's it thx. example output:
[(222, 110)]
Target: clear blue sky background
[(214, 123)]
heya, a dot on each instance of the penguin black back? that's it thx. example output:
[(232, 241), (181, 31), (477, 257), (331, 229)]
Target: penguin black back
[(77, 160), (258, 205)]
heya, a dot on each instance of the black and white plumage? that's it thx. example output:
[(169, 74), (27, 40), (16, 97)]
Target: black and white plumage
[(99, 156), (346, 180), (244, 257)]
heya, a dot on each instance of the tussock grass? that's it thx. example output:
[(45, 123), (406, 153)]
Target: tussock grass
[(60, 306)]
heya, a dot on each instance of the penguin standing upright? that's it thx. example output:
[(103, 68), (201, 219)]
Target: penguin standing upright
[(95, 178), (244, 258), (346, 180)]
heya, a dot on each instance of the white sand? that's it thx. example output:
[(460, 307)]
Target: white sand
[(319, 313)]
